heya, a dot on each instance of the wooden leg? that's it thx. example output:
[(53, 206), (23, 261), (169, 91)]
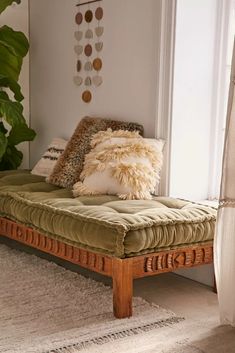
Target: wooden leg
[(122, 288)]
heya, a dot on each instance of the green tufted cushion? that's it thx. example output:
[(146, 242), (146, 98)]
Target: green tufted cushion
[(104, 223)]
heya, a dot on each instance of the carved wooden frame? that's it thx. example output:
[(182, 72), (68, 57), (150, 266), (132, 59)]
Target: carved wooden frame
[(122, 271)]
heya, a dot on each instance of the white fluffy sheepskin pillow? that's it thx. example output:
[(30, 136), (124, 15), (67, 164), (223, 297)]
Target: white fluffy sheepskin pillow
[(121, 163), (45, 165)]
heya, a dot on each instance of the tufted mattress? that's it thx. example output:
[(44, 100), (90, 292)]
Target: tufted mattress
[(104, 224)]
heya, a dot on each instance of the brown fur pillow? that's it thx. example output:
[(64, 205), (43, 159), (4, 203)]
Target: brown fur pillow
[(70, 165)]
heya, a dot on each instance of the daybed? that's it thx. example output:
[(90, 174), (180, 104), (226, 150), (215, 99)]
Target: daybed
[(120, 239)]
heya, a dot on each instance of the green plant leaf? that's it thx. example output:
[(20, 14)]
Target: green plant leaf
[(13, 47), (10, 65), (11, 159), (11, 111), (2, 128), (5, 3), (4, 95), (15, 41), (20, 133), (3, 144), (13, 85)]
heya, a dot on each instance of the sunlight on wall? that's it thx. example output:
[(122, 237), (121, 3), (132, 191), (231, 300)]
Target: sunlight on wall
[(192, 102)]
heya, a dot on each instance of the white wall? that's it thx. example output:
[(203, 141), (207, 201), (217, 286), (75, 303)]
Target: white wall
[(16, 16), (192, 100), (129, 71), (203, 274)]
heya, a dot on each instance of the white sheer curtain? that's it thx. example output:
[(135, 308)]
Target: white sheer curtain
[(225, 231)]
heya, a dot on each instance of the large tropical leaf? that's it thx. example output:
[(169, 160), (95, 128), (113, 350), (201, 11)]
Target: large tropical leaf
[(2, 128), (11, 159), (5, 3), (11, 111), (10, 65), (15, 41), (13, 85), (20, 133), (3, 95), (13, 47), (3, 144)]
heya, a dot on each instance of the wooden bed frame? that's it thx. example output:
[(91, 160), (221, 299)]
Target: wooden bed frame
[(122, 271)]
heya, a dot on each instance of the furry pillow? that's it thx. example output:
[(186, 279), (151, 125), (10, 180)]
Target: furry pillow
[(121, 163), (69, 166), (46, 164)]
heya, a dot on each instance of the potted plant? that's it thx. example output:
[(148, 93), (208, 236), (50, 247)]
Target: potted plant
[(13, 127)]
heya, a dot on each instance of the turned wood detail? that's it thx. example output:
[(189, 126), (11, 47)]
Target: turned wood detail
[(172, 260), (93, 261)]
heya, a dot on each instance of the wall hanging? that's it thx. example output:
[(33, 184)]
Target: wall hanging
[(88, 47)]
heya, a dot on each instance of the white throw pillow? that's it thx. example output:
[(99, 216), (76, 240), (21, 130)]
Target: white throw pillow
[(121, 163), (45, 165)]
